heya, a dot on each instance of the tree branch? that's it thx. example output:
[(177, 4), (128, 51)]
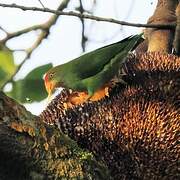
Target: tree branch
[(86, 16), (23, 31), (44, 33), (32, 150), (44, 26), (83, 37)]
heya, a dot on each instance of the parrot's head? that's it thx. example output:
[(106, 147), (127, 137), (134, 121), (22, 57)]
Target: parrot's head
[(53, 79)]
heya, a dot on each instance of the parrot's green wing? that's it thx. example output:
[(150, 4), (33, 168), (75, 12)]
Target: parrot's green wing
[(93, 83), (93, 62), (82, 73)]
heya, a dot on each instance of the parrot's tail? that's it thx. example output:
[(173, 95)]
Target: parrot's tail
[(134, 42)]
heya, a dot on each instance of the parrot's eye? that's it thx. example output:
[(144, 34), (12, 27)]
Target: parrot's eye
[(51, 75)]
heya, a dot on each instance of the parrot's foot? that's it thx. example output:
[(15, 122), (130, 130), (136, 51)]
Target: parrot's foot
[(77, 98), (101, 93)]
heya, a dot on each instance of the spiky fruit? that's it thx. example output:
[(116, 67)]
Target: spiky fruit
[(135, 130)]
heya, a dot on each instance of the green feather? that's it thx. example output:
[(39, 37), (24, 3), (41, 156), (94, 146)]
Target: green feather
[(91, 71)]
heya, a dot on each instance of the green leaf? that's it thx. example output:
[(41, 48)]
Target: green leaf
[(31, 88), (7, 66)]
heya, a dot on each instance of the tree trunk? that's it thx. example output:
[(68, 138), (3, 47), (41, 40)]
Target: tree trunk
[(158, 39)]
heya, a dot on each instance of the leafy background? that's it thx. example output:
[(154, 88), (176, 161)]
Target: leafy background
[(31, 87)]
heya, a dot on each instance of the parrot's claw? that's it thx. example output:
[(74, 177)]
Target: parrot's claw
[(75, 98), (106, 90)]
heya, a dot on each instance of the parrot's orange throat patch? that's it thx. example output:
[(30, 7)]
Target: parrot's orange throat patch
[(50, 85)]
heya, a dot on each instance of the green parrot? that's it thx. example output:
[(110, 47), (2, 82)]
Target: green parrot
[(89, 72)]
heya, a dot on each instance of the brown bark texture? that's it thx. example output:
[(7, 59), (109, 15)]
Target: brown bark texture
[(159, 39)]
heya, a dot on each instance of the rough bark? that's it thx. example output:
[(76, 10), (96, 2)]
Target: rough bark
[(177, 32), (158, 39), (29, 149)]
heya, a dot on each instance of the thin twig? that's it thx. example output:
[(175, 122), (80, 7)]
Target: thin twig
[(118, 30), (41, 3), (86, 16), (43, 26), (83, 37), (25, 30), (1, 28), (44, 33)]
